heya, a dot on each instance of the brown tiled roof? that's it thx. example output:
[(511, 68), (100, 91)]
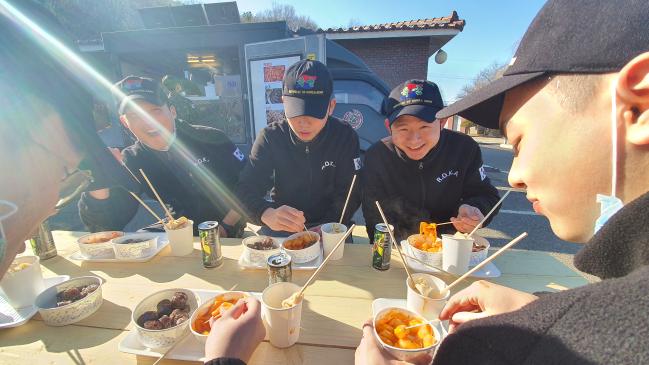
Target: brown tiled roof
[(448, 22)]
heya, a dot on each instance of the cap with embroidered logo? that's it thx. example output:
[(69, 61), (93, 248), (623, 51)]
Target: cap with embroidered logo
[(419, 98), (569, 37), (307, 89), (140, 88)]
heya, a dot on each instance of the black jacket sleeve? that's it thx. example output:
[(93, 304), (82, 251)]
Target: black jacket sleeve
[(113, 213), (225, 361), (375, 188), (255, 179), (348, 166), (462, 349), (477, 190)]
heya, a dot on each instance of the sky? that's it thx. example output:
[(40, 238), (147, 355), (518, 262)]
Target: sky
[(492, 31)]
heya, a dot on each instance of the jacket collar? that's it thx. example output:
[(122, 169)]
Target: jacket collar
[(621, 246), (314, 143)]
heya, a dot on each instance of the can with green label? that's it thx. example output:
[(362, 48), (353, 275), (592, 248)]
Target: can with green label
[(210, 244)]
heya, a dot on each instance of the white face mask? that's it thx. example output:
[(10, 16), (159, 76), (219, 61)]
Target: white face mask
[(610, 204), (7, 209)]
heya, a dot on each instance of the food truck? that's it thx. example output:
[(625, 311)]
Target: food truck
[(232, 72)]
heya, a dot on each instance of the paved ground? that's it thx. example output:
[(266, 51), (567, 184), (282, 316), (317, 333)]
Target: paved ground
[(515, 216)]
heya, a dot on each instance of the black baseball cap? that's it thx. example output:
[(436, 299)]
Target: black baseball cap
[(569, 37), (419, 98), (140, 88), (31, 68), (307, 89)]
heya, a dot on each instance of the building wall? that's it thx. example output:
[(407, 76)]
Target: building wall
[(393, 59)]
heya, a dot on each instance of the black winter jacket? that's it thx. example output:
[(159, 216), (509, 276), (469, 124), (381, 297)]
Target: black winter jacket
[(196, 177), (429, 190), (313, 177), (604, 323)]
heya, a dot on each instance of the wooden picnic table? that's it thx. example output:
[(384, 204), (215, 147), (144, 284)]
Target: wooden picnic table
[(336, 305)]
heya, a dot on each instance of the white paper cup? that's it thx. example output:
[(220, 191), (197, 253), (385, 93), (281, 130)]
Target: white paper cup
[(22, 287), (282, 324), (426, 307), (456, 253), (330, 238), (181, 240)]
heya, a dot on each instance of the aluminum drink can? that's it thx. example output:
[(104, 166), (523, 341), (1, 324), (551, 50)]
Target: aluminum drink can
[(382, 249), (279, 268), (208, 232), (42, 243)]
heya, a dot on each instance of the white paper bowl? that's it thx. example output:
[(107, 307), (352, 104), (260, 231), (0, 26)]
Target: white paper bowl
[(102, 249), (166, 337), (206, 307), (479, 256), (258, 256), (426, 307), (431, 258), (22, 287), (304, 255), (405, 354), (73, 312), (137, 250)]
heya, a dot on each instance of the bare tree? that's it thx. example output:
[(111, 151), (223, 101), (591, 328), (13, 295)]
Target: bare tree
[(354, 22), (484, 77), (279, 12)]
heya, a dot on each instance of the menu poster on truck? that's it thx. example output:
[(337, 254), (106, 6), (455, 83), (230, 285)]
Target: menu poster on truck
[(266, 86)]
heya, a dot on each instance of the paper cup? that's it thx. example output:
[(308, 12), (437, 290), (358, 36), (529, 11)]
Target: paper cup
[(282, 324), (181, 240), (456, 253), (22, 287), (331, 234), (426, 307)]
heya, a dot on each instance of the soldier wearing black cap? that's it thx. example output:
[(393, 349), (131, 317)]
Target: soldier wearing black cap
[(575, 105), (312, 158), (194, 168), (423, 172)]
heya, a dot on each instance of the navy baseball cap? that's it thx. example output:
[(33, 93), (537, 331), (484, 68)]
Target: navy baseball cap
[(307, 89), (569, 37), (419, 98), (140, 88)]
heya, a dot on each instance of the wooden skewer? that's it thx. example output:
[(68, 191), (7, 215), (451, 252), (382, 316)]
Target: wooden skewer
[(488, 214), (483, 263), (300, 293), (171, 348), (432, 321), (443, 224), (131, 172), (387, 225), (349, 194), (145, 206), (171, 218)]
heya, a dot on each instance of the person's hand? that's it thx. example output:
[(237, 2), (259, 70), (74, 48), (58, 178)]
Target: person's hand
[(467, 218), (237, 333), (370, 352), (103, 194), (284, 218), (482, 299)]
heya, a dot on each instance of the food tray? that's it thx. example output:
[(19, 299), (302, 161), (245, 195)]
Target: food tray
[(11, 317), (162, 242), (189, 349), (311, 265), (490, 270)]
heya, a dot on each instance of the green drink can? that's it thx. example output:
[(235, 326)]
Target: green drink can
[(382, 249), (210, 244)]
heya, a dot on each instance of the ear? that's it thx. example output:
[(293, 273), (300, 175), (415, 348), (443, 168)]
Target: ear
[(442, 122), (633, 99), (172, 109), (332, 106), (387, 125), (122, 119)]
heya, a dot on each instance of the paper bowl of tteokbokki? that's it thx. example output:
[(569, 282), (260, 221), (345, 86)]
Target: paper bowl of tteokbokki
[(212, 308), (390, 330)]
